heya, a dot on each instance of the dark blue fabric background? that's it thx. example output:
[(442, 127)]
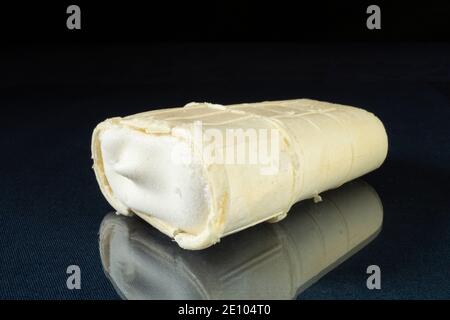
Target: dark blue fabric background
[(53, 96)]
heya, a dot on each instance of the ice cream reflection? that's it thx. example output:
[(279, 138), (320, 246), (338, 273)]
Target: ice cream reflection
[(268, 261)]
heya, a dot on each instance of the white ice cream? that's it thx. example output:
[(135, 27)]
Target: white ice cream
[(143, 176), (320, 147)]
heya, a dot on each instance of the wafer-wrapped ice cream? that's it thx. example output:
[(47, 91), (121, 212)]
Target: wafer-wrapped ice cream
[(203, 171)]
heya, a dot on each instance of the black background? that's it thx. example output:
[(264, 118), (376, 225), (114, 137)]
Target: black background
[(144, 21), (57, 84)]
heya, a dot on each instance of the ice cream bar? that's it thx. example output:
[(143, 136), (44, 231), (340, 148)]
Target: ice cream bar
[(204, 171)]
